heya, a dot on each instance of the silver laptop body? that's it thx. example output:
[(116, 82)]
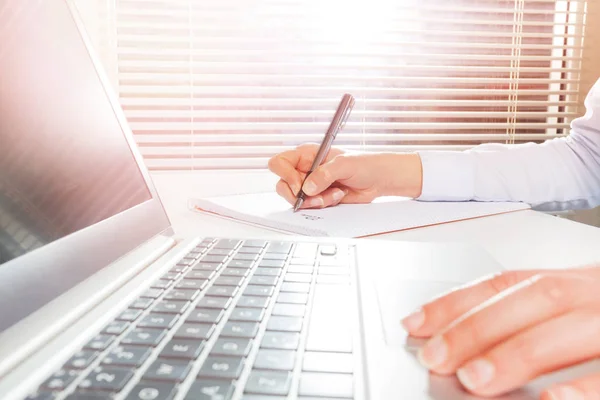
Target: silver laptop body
[(100, 300)]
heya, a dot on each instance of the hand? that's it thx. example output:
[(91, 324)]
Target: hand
[(345, 178), (498, 334)]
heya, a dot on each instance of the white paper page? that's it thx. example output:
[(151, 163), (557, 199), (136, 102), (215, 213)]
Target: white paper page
[(348, 220)]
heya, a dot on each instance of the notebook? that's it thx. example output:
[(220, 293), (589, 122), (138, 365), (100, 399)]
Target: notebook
[(386, 214)]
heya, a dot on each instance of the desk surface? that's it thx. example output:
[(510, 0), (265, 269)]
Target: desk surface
[(524, 239)]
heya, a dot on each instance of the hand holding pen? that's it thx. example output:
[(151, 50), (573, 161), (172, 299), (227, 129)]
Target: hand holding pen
[(341, 116)]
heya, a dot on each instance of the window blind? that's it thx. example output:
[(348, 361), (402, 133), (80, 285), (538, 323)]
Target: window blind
[(226, 84)]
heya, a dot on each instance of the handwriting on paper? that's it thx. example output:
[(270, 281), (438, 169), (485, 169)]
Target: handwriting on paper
[(311, 217)]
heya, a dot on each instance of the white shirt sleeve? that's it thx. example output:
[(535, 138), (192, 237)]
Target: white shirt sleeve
[(558, 174)]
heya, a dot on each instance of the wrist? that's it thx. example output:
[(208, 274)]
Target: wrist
[(402, 174)]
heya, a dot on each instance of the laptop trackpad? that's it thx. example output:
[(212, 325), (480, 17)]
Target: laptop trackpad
[(398, 299)]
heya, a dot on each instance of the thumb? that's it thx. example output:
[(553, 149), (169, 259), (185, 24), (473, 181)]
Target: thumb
[(326, 174)]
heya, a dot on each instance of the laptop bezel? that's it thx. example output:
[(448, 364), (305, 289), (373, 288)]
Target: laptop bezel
[(29, 282)]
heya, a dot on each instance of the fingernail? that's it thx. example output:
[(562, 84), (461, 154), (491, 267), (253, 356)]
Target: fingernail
[(414, 321), (476, 374), (309, 187), (338, 195), (565, 393), (434, 353), (295, 189)]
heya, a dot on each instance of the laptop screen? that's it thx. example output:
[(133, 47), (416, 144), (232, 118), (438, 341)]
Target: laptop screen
[(64, 162)]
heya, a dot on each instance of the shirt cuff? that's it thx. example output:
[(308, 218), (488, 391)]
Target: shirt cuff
[(447, 176)]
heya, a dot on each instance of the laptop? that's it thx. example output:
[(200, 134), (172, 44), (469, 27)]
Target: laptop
[(100, 299)]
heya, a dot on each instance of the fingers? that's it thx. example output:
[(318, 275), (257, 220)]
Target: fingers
[(587, 388), (526, 304), (324, 176), (285, 165), (439, 313), (554, 344), (330, 197), (283, 189)]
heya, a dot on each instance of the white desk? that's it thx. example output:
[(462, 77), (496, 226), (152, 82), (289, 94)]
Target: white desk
[(525, 239)]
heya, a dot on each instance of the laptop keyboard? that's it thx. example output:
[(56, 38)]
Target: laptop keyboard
[(234, 319)]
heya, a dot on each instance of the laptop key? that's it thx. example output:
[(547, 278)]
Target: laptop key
[(328, 362), (180, 348), (171, 276), (265, 263), (179, 268), (279, 247), (222, 291), (295, 287), (115, 327), (106, 378), (188, 294), (264, 280), (81, 360), (284, 324), (220, 252), (240, 329), (230, 271), (211, 389), (205, 315), (214, 302), (245, 249), (154, 320), (221, 367), (195, 331), (245, 257), (330, 327), (170, 307), (245, 264), (41, 396), (99, 342), (141, 303), (227, 244), (282, 360), (127, 356), (269, 382), (253, 302), (199, 274), (144, 337), (202, 266), (289, 310), (328, 249), (60, 379), (300, 278), (168, 370), (261, 291), (326, 385), (247, 314), (274, 256), (191, 284), (129, 315), (292, 298), (213, 259), (152, 391), (280, 340), (300, 269), (255, 243), (267, 272), (161, 284), (228, 281), (87, 395), (152, 293), (231, 347)]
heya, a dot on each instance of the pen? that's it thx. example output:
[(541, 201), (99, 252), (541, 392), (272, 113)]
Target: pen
[(339, 119)]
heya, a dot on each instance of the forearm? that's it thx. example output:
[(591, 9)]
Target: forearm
[(558, 174)]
